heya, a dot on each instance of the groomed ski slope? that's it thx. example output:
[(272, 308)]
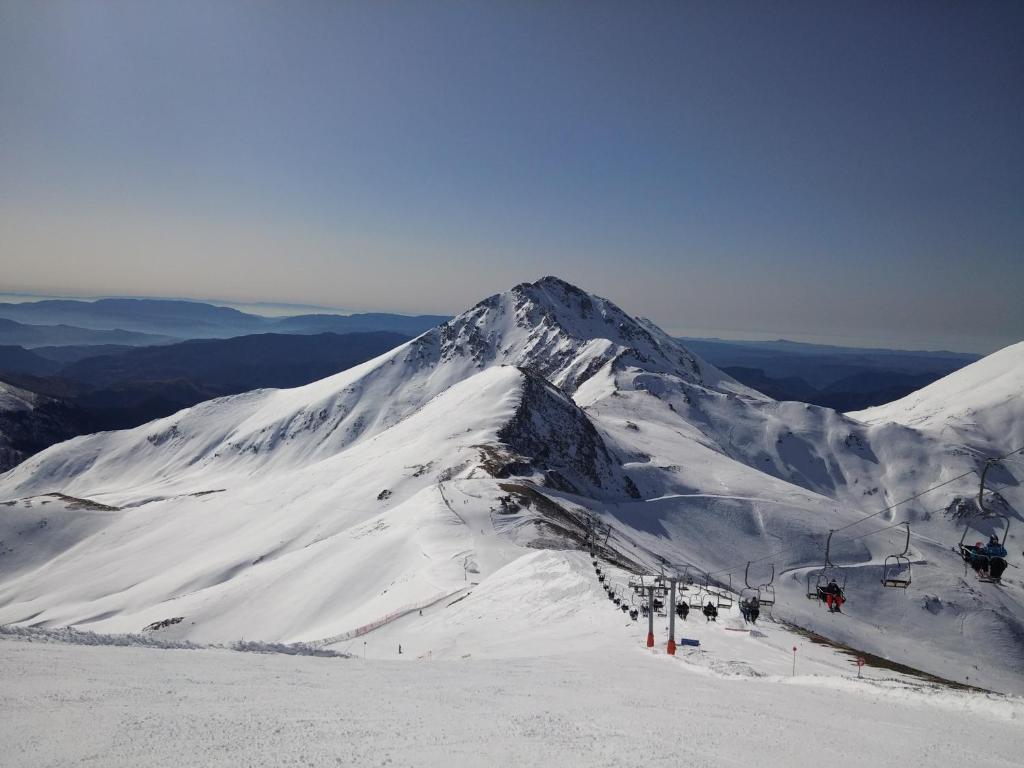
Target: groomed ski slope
[(505, 680)]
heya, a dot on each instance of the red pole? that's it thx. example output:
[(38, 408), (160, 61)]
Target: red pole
[(650, 617)]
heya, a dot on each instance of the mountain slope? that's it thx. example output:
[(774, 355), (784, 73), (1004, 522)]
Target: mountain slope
[(979, 402), (224, 366), (310, 513), (15, 359)]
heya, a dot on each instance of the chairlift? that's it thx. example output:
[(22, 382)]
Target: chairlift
[(896, 570), (748, 594), (989, 568), (600, 577), (818, 580), (636, 583), (696, 600), (624, 607), (749, 591), (725, 595), (722, 594)]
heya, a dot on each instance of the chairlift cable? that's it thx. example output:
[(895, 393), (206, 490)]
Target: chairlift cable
[(892, 506)]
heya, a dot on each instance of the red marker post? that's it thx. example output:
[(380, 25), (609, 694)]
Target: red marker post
[(860, 665)]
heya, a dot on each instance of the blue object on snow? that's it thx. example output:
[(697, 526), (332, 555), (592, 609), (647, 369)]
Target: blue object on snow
[(687, 641)]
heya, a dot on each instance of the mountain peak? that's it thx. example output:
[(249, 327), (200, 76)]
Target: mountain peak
[(566, 335)]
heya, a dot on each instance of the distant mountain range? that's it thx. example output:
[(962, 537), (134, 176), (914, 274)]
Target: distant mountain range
[(843, 378), (21, 334), (120, 321)]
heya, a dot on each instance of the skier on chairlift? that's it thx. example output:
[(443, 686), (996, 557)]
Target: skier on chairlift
[(750, 608), (974, 556), (682, 611), (834, 597), (710, 612), (995, 558)]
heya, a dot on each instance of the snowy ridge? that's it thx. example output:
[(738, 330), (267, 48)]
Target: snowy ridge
[(298, 515), (978, 402)]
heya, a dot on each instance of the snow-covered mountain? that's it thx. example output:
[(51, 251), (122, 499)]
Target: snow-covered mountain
[(316, 512), (977, 403)]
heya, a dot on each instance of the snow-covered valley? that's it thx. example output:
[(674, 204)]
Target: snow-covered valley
[(438, 497)]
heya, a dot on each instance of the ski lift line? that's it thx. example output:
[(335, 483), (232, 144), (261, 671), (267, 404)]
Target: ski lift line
[(892, 506), (914, 534)]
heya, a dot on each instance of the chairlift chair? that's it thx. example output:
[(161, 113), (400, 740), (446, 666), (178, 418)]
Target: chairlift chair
[(766, 592), (971, 555), (696, 600), (687, 577), (659, 607), (723, 594), (896, 570), (818, 580), (749, 593)]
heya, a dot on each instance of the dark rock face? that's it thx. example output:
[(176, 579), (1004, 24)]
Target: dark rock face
[(25, 432), (551, 435)]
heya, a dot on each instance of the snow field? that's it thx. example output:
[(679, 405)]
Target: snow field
[(68, 705)]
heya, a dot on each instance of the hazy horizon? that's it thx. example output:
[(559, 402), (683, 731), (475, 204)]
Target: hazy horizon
[(278, 309), (841, 174)]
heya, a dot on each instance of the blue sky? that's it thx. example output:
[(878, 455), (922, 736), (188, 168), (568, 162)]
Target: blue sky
[(850, 173)]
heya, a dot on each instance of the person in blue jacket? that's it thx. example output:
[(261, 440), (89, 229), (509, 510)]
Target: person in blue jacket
[(996, 555)]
